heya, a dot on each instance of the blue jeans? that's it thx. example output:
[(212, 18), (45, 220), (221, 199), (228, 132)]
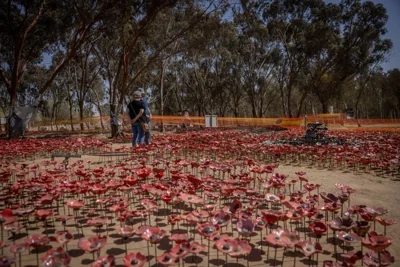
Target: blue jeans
[(147, 135), (138, 134)]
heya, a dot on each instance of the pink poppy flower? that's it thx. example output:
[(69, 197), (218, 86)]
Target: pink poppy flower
[(318, 228), (126, 231), (373, 259), (134, 259), (245, 227), (153, 234), (260, 222), (221, 218), (180, 250), (167, 259), (377, 242), (56, 257), (208, 230), (63, 238), (179, 238), (104, 261), (92, 244), (6, 261), (309, 248), (37, 240), (19, 248), (75, 204)]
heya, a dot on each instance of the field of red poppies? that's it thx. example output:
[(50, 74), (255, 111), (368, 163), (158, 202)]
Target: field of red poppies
[(220, 198)]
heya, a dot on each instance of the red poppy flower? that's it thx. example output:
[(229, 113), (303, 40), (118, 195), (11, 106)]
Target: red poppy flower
[(309, 248), (75, 204), (149, 204), (179, 238), (275, 238), (153, 234), (201, 214), (56, 257), (377, 242), (63, 237), (375, 211), (351, 257), (318, 228), (6, 217), (180, 250), (208, 230), (245, 227), (295, 215), (189, 198), (220, 218), (234, 206), (348, 237), (37, 240), (43, 214), (174, 218), (377, 259), (272, 198), (385, 221), (344, 223), (196, 247), (13, 227), (134, 259), (104, 261), (92, 244), (44, 200), (167, 259), (19, 248), (234, 248), (97, 222), (126, 231), (361, 228), (329, 197), (6, 261)]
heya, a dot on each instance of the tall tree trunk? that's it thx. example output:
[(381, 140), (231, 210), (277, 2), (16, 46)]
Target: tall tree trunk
[(162, 94), (81, 115)]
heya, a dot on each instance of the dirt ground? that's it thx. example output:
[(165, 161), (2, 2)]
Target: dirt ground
[(372, 189)]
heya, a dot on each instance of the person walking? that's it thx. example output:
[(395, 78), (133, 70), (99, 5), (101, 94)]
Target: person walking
[(147, 135), (136, 114)]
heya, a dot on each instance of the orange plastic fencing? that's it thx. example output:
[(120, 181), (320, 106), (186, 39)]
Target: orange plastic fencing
[(334, 121)]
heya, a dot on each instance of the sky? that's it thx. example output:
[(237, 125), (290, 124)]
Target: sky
[(393, 31)]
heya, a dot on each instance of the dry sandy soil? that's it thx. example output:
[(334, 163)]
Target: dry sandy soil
[(371, 190)]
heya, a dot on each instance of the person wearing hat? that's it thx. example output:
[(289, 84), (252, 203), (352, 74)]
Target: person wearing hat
[(147, 135), (136, 114)]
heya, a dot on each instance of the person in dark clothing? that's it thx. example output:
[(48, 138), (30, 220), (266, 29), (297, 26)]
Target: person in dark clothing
[(137, 115)]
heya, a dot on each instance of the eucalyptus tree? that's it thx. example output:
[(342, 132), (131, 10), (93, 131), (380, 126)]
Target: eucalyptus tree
[(357, 46), (29, 29)]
